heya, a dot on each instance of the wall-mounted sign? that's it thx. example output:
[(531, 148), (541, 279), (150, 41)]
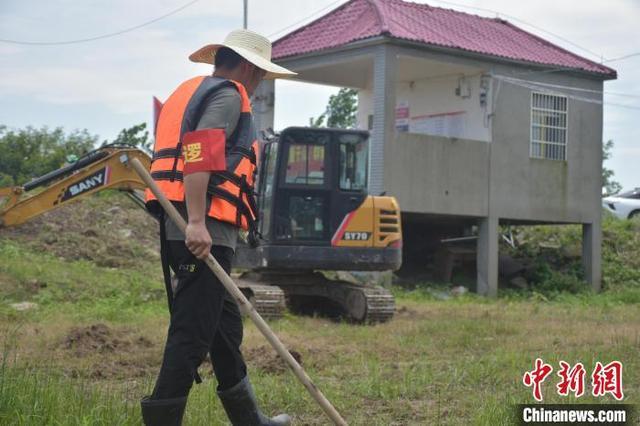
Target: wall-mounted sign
[(402, 116), (447, 124)]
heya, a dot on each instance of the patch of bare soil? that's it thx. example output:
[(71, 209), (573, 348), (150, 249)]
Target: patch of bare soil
[(99, 338), (412, 313), (108, 229), (109, 353), (403, 311), (265, 358)]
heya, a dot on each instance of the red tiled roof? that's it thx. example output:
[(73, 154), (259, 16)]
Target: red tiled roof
[(361, 19)]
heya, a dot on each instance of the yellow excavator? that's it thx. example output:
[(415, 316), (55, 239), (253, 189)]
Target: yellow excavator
[(315, 215)]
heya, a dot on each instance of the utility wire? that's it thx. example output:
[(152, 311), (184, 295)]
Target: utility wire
[(514, 80), (173, 12), (499, 14), (305, 18), (99, 37), (621, 106), (542, 88), (619, 58), (560, 86)]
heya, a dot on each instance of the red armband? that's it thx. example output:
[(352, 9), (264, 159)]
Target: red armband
[(203, 151)]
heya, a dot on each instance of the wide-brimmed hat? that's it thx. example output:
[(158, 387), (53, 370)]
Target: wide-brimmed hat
[(251, 46)]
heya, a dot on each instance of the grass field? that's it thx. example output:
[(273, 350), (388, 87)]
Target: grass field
[(92, 346)]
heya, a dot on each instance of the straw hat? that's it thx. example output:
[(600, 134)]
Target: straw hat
[(251, 46)]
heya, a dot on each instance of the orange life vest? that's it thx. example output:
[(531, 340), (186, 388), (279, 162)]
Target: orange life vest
[(232, 190)]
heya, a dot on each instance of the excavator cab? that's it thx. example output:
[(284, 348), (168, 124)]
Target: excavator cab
[(316, 215)]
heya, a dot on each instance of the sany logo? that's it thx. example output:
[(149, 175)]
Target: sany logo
[(605, 379), (88, 183), (99, 178)]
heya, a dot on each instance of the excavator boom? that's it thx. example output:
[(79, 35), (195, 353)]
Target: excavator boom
[(106, 168)]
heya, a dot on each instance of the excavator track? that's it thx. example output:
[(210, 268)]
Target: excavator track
[(369, 304), (358, 303), (268, 300)]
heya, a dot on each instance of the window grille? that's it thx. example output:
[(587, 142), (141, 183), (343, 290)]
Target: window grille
[(548, 126)]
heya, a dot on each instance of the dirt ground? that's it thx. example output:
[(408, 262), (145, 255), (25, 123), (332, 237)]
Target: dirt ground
[(97, 340), (99, 351), (109, 230), (264, 358)]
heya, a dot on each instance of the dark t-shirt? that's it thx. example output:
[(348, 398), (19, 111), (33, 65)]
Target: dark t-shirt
[(222, 111)]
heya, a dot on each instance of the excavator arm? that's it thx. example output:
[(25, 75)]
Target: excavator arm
[(105, 168)]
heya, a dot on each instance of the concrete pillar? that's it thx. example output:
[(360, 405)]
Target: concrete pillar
[(487, 257), (592, 254), (263, 101), (384, 104)]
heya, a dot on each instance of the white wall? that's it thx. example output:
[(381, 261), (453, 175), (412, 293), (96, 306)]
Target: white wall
[(434, 96)]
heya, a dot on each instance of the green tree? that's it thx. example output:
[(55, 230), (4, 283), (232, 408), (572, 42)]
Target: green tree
[(28, 153), (340, 111), (137, 136), (609, 186)]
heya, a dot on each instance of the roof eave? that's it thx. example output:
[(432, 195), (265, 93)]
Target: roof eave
[(502, 59), (358, 44), (447, 50)]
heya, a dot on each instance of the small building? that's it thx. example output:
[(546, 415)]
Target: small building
[(473, 120)]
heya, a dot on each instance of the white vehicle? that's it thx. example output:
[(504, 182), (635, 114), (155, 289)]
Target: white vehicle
[(625, 205)]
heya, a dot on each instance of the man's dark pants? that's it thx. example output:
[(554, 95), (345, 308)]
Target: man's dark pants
[(204, 319)]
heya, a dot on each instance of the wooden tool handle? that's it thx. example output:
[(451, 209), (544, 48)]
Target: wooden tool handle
[(243, 303)]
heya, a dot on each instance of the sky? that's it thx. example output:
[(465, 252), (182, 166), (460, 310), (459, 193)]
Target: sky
[(107, 85)]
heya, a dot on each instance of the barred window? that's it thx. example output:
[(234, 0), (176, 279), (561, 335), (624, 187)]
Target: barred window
[(548, 126)]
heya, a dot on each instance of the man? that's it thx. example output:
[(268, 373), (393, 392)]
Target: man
[(205, 160)]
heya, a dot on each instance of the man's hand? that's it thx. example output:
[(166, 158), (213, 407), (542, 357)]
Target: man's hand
[(198, 240)]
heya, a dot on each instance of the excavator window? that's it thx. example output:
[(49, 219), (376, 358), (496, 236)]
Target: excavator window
[(307, 217), (305, 164), (303, 196), (353, 162), (267, 186)]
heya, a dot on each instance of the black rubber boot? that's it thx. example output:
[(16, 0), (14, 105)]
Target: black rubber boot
[(242, 408), (163, 412)]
